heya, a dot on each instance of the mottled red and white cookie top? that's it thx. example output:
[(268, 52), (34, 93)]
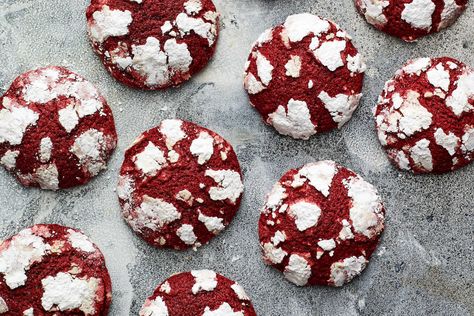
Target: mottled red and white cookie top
[(151, 44), (304, 76), (425, 116), (180, 185), (56, 130), (53, 270), (320, 224), (198, 293), (411, 19)]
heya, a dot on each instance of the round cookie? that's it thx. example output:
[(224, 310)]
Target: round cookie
[(53, 270), (56, 130), (198, 293), (411, 19), (151, 44), (180, 185), (425, 116), (320, 224), (304, 76)]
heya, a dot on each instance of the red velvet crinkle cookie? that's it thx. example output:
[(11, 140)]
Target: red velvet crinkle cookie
[(180, 185), (53, 270), (152, 44), (411, 19), (304, 76), (425, 116), (198, 293), (320, 224), (56, 130)]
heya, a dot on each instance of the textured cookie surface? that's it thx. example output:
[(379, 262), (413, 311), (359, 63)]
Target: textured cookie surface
[(425, 116), (321, 224), (152, 44), (304, 76), (411, 19), (56, 130), (180, 185), (53, 270), (198, 293)]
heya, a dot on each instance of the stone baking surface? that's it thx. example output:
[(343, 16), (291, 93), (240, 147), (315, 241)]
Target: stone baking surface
[(425, 260)]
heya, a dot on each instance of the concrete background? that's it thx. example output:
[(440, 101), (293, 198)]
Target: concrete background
[(425, 261)]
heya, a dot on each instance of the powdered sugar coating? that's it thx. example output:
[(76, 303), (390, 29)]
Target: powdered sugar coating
[(153, 53), (423, 114), (199, 292), (50, 269), (180, 185), (291, 71), (56, 130), (316, 216), (410, 20)]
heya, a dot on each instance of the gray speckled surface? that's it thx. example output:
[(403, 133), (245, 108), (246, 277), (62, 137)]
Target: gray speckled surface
[(425, 262)]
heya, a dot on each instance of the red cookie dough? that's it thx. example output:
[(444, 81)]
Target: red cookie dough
[(53, 270), (425, 116), (56, 130), (320, 224), (201, 292), (304, 76), (180, 185), (411, 19), (151, 44)]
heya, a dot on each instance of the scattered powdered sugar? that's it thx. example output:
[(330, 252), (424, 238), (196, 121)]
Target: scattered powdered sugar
[(319, 175)]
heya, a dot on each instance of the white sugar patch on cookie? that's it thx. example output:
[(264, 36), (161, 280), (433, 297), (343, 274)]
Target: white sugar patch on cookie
[(418, 13), (17, 257), (229, 183), (298, 270), (205, 280), (306, 215), (345, 270), (109, 23), (294, 121), (68, 293)]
